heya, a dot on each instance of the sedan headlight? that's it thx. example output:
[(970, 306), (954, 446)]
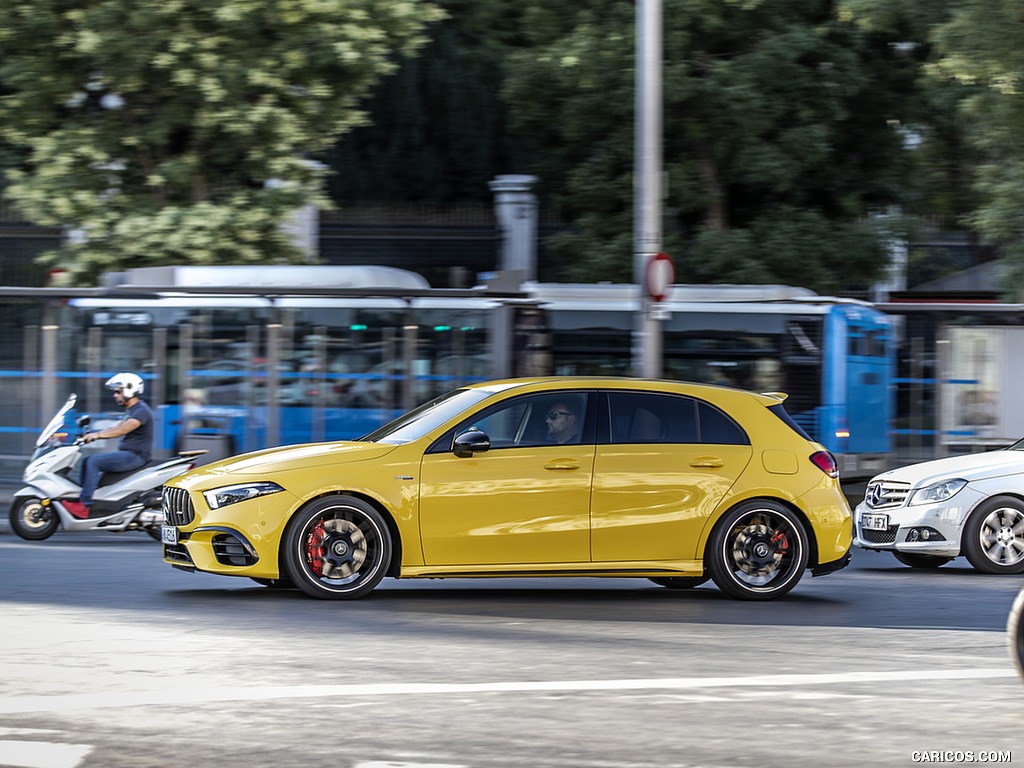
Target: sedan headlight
[(937, 492), (232, 494)]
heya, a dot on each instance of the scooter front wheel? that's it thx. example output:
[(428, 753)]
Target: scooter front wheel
[(33, 521)]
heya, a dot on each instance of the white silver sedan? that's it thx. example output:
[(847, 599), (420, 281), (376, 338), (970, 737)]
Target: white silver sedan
[(929, 513)]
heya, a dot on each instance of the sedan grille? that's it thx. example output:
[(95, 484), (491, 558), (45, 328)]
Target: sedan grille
[(177, 507), (886, 493), (888, 536)]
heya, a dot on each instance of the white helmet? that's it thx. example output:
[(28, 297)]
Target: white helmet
[(130, 384)]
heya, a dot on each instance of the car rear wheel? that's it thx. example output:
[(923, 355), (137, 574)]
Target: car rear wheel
[(758, 551), (337, 548), (915, 560), (993, 539)]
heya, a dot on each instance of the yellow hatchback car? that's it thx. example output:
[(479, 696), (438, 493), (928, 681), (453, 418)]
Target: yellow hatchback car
[(669, 481)]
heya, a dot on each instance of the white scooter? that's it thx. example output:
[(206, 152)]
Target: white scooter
[(124, 501)]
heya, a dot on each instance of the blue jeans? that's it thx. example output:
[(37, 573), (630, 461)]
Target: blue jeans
[(95, 465)]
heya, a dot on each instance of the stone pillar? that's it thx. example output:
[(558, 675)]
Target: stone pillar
[(516, 209)]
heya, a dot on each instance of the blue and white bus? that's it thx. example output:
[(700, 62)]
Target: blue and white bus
[(235, 361), (835, 358)]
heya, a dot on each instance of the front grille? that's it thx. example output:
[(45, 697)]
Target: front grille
[(177, 507), (883, 494), (888, 536), (230, 550)]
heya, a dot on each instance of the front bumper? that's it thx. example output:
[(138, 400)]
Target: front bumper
[(944, 519)]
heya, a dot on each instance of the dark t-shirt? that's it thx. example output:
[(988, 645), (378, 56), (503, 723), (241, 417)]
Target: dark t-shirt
[(140, 439)]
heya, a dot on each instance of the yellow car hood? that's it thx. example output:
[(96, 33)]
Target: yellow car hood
[(285, 458)]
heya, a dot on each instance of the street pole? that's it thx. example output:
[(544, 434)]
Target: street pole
[(647, 181)]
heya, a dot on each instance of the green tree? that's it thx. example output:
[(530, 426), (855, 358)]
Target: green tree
[(181, 131), (781, 137), (438, 129), (982, 46), (972, 156)]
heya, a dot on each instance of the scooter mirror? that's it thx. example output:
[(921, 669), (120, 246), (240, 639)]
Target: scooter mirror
[(84, 420)]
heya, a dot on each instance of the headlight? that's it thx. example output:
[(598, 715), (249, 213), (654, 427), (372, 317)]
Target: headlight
[(232, 494), (937, 492)]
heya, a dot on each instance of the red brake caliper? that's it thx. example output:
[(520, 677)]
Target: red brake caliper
[(315, 548), (778, 537)]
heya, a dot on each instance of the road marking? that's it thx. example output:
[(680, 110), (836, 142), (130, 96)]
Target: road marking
[(10, 705), (40, 754)]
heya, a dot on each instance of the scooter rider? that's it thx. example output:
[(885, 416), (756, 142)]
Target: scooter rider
[(135, 449)]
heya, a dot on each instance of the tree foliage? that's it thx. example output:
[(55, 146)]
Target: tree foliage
[(778, 138), (982, 45), (181, 131), (972, 138)]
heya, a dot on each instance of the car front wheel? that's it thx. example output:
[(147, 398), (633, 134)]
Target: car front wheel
[(993, 539), (337, 548), (758, 551)]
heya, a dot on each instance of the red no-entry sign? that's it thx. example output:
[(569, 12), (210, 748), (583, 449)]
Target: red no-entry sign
[(659, 275)]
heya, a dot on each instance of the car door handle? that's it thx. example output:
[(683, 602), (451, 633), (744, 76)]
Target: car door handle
[(562, 464), (707, 461)]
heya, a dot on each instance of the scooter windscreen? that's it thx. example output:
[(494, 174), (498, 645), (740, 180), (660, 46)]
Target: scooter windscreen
[(57, 421)]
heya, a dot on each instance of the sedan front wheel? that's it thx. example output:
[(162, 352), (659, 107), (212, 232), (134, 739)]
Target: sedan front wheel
[(337, 548), (758, 551), (993, 539)]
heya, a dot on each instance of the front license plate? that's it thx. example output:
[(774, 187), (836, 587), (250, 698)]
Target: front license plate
[(874, 522), (168, 534)]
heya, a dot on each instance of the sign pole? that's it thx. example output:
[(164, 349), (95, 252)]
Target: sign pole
[(647, 183)]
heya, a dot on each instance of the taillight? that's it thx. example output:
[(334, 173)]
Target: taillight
[(826, 462)]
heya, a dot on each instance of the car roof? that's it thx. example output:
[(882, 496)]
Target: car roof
[(622, 382)]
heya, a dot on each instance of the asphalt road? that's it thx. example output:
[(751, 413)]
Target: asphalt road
[(111, 658)]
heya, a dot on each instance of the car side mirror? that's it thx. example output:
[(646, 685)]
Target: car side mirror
[(470, 442)]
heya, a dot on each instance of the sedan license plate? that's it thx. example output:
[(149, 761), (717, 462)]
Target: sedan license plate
[(871, 522), (168, 534)]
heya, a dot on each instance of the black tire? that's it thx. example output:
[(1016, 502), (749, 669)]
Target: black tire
[(993, 539), (153, 532), (758, 551), (680, 582), (33, 521), (1015, 634), (915, 560), (337, 548)]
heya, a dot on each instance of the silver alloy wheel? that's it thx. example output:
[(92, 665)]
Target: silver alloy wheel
[(993, 539)]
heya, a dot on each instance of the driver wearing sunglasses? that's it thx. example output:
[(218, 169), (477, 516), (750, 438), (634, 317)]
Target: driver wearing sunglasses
[(563, 422)]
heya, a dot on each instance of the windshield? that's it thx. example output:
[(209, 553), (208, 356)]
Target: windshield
[(57, 421), (427, 417), (1018, 446)]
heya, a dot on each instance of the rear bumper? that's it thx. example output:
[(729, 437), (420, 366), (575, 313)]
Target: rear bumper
[(823, 569)]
